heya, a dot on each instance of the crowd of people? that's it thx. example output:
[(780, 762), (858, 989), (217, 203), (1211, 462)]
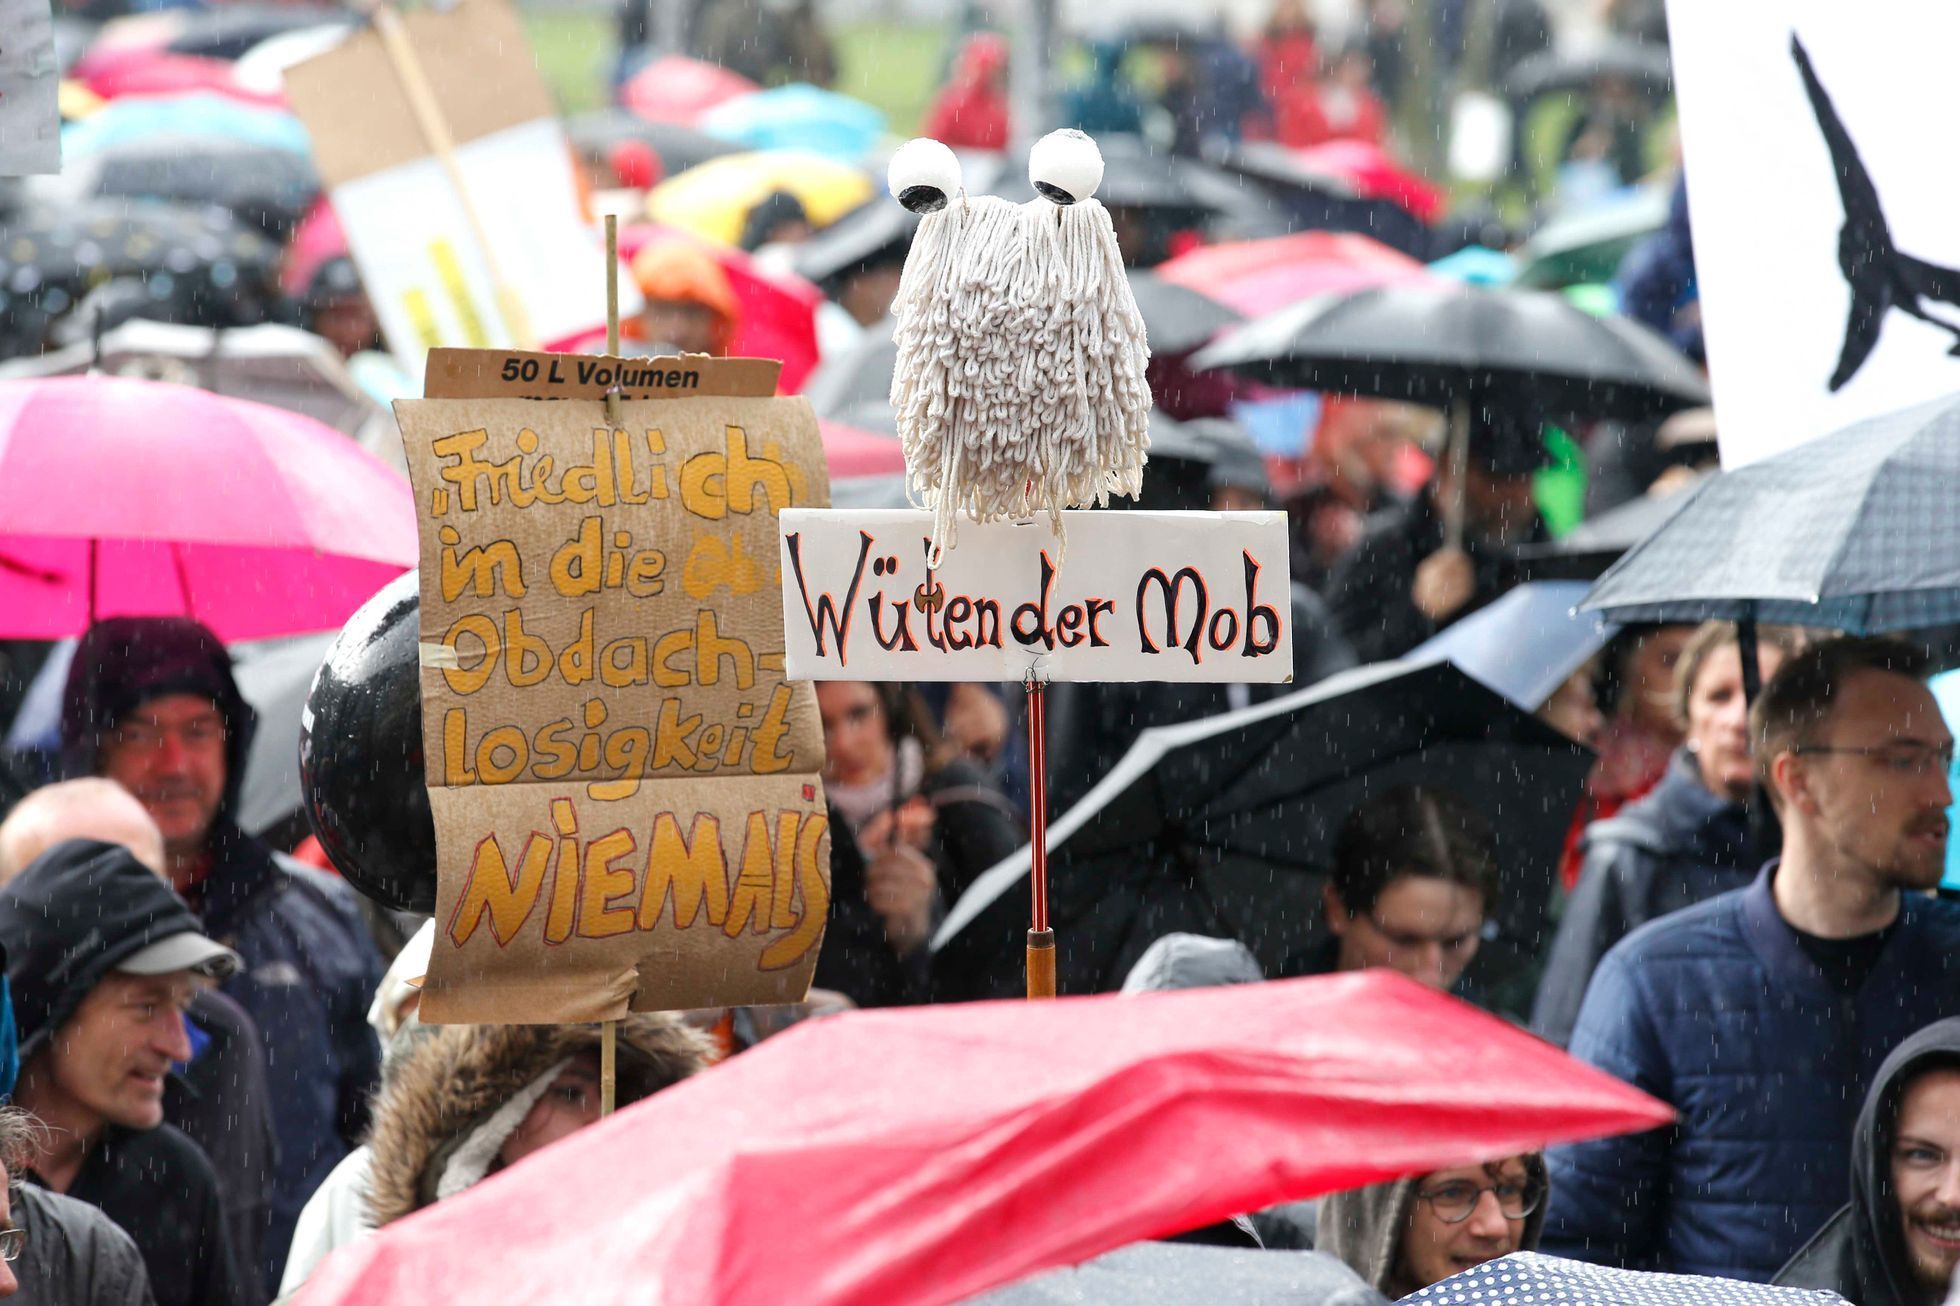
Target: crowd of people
[(215, 1070)]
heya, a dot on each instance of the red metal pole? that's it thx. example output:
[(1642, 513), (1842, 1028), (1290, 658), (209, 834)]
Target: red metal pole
[(1041, 939)]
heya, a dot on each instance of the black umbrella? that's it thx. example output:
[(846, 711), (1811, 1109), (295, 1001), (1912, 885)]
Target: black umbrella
[(1855, 531), (1588, 549), (1176, 318), (1531, 354), (201, 265), (1224, 826), (229, 31), (678, 148), (1311, 200), (877, 231), (263, 186), (1187, 1272), (1646, 66)]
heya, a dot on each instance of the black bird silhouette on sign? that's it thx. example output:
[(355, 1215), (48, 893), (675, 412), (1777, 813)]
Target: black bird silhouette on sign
[(1881, 277)]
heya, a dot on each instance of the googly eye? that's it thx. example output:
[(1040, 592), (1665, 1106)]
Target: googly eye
[(924, 175), (1065, 166)]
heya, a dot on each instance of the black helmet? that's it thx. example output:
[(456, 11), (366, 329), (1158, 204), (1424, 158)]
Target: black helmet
[(360, 753)]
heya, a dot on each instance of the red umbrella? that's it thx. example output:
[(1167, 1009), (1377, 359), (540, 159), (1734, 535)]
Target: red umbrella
[(852, 453), (140, 71), (1370, 170), (927, 1154), (1257, 276), (676, 89), (121, 497)]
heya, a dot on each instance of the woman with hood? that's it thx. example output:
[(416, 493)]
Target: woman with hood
[(690, 305), (1404, 1235), (1892, 1243), (1683, 843), (972, 112)]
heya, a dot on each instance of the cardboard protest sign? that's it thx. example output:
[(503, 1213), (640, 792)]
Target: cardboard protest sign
[(30, 117), (434, 256), (1828, 259), (1178, 596), (625, 784)]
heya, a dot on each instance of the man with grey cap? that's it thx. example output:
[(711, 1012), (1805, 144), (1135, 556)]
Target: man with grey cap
[(103, 958)]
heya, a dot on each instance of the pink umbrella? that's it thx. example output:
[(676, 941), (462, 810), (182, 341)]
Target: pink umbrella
[(676, 89), (318, 240), (139, 71), (852, 453), (1257, 276), (925, 1154), (121, 497), (1376, 175)]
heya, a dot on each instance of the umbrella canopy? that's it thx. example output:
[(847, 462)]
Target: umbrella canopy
[(201, 116), (1591, 244), (1529, 353), (195, 264), (1645, 65), (1529, 1276), (270, 364), (1258, 276), (260, 184), (1225, 826), (926, 1154), (121, 497), (1185, 1272), (714, 199), (1370, 170), (1478, 265), (875, 231), (1854, 531), (1588, 549), (1315, 199), (146, 73), (797, 117), (1177, 318), (851, 453), (231, 30), (678, 147), (1526, 644), (677, 89), (275, 677)]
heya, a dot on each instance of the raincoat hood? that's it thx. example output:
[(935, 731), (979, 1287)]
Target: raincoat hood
[(123, 663), (981, 59), (1364, 1226), (455, 1093), (1861, 1252), (675, 270), (1192, 961), (1693, 821)]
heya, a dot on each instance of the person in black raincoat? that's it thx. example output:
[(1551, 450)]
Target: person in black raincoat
[(151, 703), (1882, 1248), (1683, 843), (1403, 583), (73, 1254)]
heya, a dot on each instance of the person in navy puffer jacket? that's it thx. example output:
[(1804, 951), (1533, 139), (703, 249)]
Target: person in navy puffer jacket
[(1763, 1014)]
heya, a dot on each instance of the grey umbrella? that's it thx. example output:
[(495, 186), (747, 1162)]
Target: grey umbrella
[(1183, 1272), (1588, 549), (1530, 1276), (1854, 531)]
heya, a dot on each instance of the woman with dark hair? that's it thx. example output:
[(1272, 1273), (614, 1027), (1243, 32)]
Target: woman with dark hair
[(1683, 843), (920, 823)]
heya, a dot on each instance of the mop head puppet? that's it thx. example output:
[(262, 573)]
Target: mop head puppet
[(1019, 385)]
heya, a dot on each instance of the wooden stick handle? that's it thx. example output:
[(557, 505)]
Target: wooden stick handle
[(1041, 964), (612, 311), (608, 1046)]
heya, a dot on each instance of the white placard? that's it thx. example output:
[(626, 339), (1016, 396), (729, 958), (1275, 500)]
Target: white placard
[(30, 116), (1182, 596), (1768, 208), (425, 273)]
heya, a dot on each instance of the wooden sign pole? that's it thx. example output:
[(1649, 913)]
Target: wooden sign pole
[(1041, 939), (609, 1030)]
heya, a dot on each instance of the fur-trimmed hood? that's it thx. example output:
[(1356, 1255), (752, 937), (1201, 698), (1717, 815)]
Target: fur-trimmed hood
[(451, 1080)]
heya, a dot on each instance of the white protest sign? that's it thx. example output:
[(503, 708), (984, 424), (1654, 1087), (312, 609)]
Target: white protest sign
[(1177, 596), (1823, 209), (30, 117)]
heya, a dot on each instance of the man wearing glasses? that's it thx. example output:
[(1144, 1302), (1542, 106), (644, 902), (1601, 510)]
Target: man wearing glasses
[(1405, 1235), (1762, 1015)]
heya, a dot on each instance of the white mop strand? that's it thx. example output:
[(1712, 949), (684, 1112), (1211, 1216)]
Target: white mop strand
[(1019, 384)]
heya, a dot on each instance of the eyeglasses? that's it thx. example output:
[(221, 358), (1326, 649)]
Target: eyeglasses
[(1899, 758), (1455, 1201), (13, 1241)]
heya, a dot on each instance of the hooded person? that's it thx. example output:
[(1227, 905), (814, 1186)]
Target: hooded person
[(151, 703), (464, 1101), (1867, 1252), (690, 304), (1406, 1234), (972, 112), (102, 958)]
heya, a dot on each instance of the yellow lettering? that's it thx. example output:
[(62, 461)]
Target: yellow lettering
[(691, 870), (605, 885), (491, 892)]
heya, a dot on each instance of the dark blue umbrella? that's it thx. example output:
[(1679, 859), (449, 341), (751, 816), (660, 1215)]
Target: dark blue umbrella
[(1856, 531), (1526, 644), (1531, 1277)]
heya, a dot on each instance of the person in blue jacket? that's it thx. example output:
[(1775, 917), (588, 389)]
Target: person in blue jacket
[(1762, 1015), (151, 703)]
